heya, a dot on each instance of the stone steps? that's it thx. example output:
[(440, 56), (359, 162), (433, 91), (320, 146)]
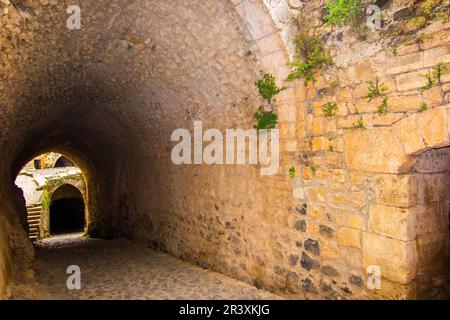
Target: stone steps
[(34, 219)]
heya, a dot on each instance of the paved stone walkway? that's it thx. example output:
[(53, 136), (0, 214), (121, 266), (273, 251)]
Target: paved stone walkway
[(119, 269)]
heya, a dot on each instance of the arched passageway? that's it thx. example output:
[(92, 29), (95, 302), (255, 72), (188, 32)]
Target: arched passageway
[(63, 162), (67, 210), (110, 95)]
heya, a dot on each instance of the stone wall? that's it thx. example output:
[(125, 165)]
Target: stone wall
[(110, 95), (6, 263)]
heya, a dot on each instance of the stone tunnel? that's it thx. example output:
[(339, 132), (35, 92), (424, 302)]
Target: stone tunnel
[(367, 189)]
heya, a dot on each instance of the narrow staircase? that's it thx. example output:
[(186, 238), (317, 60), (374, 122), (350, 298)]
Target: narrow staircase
[(34, 219)]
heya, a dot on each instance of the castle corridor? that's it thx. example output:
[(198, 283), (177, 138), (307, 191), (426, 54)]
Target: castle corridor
[(110, 110)]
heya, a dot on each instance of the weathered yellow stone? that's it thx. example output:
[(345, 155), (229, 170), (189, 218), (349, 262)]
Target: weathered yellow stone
[(410, 134), (393, 190), (349, 237), (344, 95), (411, 80), (407, 49), (287, 112), (361, 90), (397, 259), (354, 198), (362, 71), (364, 105), (357, 178), (435, 56), (433, 97), (434, 126), (436, 39), (318, 194), (405, 63), (409, 102), (323, 125), (357, 222), (352, 256), (373, 150), (287, 130), (320, 143), (397, 223), (329, 250), (313, 229), (396, 291), (386, 119)]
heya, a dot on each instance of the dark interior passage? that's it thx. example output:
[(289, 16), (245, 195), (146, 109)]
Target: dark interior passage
[(67, 216), (63, 162)]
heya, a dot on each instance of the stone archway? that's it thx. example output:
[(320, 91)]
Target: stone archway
[(62, 162), (407, 232), (67, 210)]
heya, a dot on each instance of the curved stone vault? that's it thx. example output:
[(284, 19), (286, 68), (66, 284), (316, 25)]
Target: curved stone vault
[(109, 95)]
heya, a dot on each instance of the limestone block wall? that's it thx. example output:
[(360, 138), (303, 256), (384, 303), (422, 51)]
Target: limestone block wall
[(110, 95), (6, 263)]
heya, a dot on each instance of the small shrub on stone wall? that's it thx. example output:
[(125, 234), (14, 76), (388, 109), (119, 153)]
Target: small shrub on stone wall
[(266, 119), (267, 87), (342, 12), (312, 56)]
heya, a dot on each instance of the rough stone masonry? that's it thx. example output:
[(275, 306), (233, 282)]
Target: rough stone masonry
[(370, 188)]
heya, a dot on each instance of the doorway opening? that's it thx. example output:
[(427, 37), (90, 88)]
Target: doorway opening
[(55, 196), (63, 162), (67, 211)]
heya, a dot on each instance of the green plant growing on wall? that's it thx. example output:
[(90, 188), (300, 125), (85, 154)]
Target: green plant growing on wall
[(434, 9), (423, 107), (292, 172), (382, 109), (359, 124), (46, 200), (438, 71), (313, 169), (430, 81), (266, 119), (334, 84), (267, 89), (330, 148), (376, 89), (329, 109), (267, 86), (342, 12), (312, 56)]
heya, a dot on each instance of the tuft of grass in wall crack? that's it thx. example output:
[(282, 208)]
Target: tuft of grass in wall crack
[(430, 81), (329, 109), (292, 172), (423, 107), (311, 55), (376, 89), (313, 169), (382, 108), (435, 76), (359, 124), (438, 71)]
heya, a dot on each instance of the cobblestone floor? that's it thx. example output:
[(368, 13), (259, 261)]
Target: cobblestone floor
[(119, 269)]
